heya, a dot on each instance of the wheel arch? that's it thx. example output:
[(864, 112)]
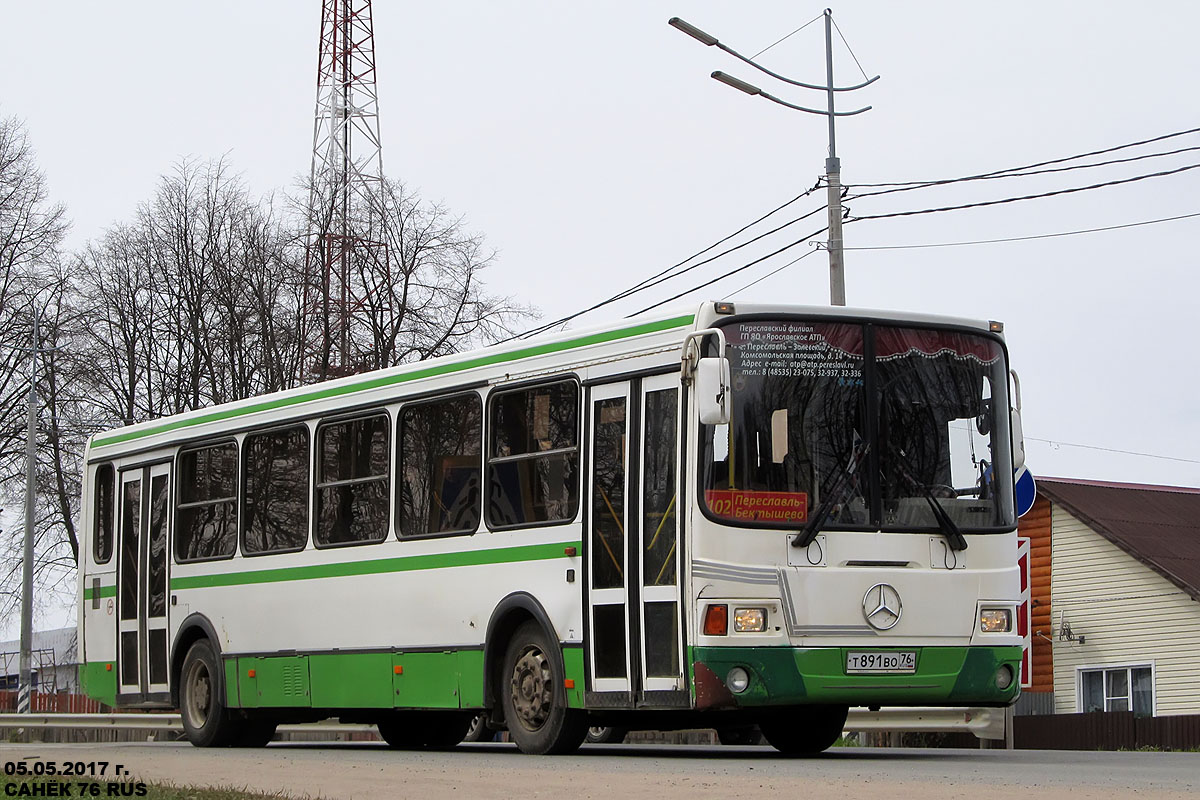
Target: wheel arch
[(509, 614), (194, 628)]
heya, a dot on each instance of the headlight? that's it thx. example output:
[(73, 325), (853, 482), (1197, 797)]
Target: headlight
[(738, 680), (749, 620), (995, 620)]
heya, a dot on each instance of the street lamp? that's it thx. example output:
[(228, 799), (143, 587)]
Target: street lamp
[(833, 166)]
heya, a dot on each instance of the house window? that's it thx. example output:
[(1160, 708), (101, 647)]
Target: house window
[(1118, 689)]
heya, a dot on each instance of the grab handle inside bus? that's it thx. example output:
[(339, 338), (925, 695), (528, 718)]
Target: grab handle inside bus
[(710, 376)]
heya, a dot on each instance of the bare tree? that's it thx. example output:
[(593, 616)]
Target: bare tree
[(31, 230), (415, 288)]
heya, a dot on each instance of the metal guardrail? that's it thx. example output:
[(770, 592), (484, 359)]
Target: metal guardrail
[(985, 723), (151, 722)]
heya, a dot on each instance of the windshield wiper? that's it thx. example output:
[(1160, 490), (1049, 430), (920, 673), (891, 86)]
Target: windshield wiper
[(835, 495), (949, 529)]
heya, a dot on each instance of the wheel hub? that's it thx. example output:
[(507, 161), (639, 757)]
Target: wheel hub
[(532, 689), (199, 695)]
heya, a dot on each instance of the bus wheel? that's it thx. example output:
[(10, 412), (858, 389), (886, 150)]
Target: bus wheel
[(478, 731), (206, 721), (809, 730), (739, 734), (602, 734), (424, 730), (530, 690)]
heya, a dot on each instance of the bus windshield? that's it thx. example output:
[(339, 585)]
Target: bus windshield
[(873, 427)]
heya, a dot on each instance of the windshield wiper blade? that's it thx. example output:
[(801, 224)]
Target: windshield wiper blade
[(954, 536), (835, 496)]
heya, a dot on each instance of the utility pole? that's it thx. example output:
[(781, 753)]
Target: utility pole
[(833, 182), (833, 166), (24, 696)]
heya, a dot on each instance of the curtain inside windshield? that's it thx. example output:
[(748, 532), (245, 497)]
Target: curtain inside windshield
[(936, 427), (800, 438)]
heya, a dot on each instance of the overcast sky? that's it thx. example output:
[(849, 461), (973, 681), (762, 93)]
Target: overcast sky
[(589, 145)]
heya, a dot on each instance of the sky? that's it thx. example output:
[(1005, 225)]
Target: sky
[(587, 142)]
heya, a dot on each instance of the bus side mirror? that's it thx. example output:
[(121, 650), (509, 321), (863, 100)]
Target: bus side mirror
[(1018, 439), (712, 390), (1018, 432)]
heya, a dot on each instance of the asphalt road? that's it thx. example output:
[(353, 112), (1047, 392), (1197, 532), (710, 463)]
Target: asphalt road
[(625, 772)]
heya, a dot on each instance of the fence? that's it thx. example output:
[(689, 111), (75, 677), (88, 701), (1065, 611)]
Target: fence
[(1106, 730), (53, 703)]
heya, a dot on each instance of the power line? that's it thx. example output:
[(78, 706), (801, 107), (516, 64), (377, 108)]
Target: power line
[(768, 275), (1054, 193), (1036, 165), (1058, 443), (1028, 238), (663, 276), (732, 272), (1026, 174)]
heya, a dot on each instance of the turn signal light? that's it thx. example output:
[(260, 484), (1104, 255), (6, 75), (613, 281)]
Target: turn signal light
[(716, 620)]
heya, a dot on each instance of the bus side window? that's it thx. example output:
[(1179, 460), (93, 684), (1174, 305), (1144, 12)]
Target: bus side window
[(102, 523), (206, 514), (440, 447), (353, 481), (533, 455), (275, 491)]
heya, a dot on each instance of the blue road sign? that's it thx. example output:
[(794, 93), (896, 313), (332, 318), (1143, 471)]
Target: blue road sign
[(1026, 490)]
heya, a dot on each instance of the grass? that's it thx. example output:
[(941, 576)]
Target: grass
[(152, 791)]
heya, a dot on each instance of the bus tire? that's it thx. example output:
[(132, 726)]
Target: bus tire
[(478, 731), (206, 720), (424, 730), (531, 693), (739, 735), (807, 731), (604, 734)]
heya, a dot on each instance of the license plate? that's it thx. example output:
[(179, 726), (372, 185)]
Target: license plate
[(897, 662)]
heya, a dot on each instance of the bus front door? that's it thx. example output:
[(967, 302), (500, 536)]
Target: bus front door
[(635, 634), (142, 585)]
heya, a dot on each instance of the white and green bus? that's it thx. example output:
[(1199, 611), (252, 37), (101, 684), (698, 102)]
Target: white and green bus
[(732, 516)]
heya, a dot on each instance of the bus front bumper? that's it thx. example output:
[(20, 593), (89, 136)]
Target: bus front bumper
[(783, 676)]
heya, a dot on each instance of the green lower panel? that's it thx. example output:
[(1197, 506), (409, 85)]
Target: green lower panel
[(470, 678), (277, 682), (944, 676), (98, 680), (425, 680), (446, 679), (354, 680), (573, 667)]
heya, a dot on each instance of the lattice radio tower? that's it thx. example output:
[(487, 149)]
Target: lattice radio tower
[(347, 174)]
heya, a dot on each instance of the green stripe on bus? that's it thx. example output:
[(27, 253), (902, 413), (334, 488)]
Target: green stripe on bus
[(468, 558), (391, 380), (105, 591)]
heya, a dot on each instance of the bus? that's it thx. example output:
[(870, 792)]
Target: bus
[(719, 517)]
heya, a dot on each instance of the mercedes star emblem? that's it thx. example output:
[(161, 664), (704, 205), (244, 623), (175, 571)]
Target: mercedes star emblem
[(882, 606)]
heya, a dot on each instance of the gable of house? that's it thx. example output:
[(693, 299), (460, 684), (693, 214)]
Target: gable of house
[(1124, 587)]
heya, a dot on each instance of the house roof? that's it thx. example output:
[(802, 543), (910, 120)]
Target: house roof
[(1157, 525)]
